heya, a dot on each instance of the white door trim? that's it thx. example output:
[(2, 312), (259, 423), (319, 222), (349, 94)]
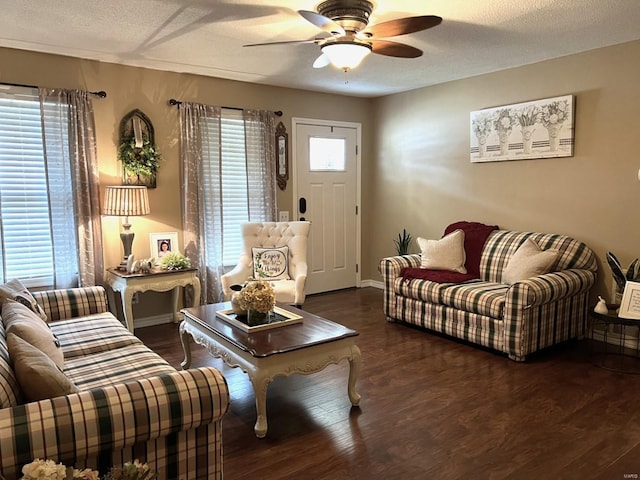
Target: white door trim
[(295, 121)]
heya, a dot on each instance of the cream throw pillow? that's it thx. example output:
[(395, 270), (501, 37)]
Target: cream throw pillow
[(444, 254), (528, 261), (22, 322), (15, 290), (38, 376), (270, 263)]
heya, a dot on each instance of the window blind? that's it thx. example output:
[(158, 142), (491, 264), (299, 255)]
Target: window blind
[(235, 203), (25, 233)]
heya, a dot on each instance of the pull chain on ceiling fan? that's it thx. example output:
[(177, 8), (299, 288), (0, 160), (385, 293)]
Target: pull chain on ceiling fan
[(350, 38)]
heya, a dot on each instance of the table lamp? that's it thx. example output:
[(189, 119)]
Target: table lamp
[(126, 201)]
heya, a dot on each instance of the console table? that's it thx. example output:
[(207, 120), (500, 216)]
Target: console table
[(158, 281)]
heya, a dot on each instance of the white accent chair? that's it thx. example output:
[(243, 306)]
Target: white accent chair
[(273, 234)]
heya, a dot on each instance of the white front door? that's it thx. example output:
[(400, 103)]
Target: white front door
[(326, 188)]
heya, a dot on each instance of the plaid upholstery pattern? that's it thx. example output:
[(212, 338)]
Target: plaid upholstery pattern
[(502, 244), (10, 394), (115, 366), (132, 403), (171, 421), (76, 339), (518, 319), (72, 302)]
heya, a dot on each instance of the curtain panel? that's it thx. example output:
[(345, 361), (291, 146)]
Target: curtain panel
[(70, 153), (201, 155)]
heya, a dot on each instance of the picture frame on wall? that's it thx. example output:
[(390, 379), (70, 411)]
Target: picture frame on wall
[(163, 243), (529, 130)]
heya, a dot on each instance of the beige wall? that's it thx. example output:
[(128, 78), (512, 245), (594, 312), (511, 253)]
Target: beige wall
[(129, 88), (423, 178), (416, 172)]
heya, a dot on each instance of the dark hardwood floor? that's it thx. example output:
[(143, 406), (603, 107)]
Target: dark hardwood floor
[(431, 408)]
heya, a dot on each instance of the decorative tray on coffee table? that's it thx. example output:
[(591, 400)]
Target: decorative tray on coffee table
[(279, 317)]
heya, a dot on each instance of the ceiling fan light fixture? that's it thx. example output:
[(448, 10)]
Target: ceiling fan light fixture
[(346, 55)]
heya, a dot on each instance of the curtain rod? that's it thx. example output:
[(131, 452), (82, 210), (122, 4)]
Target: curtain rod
[(173, 101), (101, 93)]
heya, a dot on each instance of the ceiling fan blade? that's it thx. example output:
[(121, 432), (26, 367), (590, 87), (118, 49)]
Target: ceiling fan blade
[(394, 49), (285, 42), (321, 62), (322, 22), (403, 26)]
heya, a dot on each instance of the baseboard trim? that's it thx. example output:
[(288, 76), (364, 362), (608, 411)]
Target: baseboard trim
[(372, 283), (153, 320)]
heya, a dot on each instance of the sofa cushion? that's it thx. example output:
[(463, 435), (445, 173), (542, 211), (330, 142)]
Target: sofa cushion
[(423, 290), (110, 367), (24, 323), (271, 263), (39, 377), (15, 290), (10, 394), (528, 261), (483, 298), (91, 334), (444, 254)]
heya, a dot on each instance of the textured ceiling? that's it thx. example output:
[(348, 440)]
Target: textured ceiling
[(206, 36)]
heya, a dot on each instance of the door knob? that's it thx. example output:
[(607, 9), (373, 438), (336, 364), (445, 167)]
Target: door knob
[(302, 205)]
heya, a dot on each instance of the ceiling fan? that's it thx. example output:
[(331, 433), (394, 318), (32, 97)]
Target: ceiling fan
[(350, 38)]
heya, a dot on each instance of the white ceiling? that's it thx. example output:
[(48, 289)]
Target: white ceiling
[(205, 37)]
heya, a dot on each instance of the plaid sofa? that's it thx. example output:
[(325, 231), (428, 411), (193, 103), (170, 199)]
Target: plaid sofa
[(131, 404), (516, 319)]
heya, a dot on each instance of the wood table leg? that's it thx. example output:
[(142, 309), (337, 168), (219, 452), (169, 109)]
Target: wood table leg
[(260, 385), (354, 371), (186, 346)]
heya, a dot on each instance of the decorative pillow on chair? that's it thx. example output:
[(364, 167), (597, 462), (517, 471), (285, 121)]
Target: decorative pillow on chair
[(271, 263), (38, 376), (528, 261), (444, 254), (25, 324), (15, 290)]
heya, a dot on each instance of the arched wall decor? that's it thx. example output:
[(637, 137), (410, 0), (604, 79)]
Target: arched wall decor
[(137, 151)]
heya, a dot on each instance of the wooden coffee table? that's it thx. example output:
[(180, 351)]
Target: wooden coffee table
[(305, 348)]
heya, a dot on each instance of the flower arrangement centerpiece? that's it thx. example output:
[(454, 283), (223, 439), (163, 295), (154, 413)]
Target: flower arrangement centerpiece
[(49, 470), (257, 298), (175, 261), (504, 123)]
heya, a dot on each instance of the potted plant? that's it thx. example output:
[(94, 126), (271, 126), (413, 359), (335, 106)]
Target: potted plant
[(403, 242)]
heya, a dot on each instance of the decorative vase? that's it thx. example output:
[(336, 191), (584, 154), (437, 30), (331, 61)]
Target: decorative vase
[(601, 307), (254, 317), (554, 136), (235, 305), (504, 141), (527, 134)]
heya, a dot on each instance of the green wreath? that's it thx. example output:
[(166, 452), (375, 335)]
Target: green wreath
[(143, 160)]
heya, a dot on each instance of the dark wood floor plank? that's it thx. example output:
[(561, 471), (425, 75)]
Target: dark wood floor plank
[(431, 408)]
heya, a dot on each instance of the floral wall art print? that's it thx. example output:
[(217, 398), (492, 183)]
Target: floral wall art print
[(537, 129)]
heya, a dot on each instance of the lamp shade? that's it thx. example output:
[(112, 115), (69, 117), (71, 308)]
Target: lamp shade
[(126, 201), (346, 56)]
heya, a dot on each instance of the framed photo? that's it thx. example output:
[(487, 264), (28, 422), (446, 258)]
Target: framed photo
[(163, 243), (630, 306)]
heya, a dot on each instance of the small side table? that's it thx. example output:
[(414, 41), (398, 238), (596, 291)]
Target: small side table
[(614, 342), (158, 281)]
